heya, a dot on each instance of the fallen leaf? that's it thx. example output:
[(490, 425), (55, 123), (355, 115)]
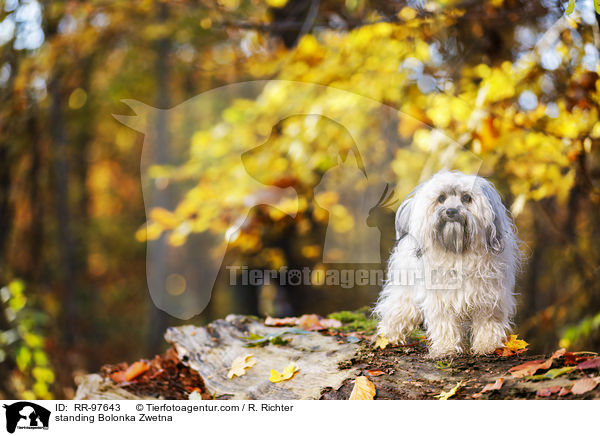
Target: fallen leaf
[(240, 364), (118, 377), (288, 373), (363, 389), (443, 364), (564, 391), (490, 387), (255, 340), (278, 322), (503, 352), (381, 342), (526, 368), (445, 395), (552, 373), (575, 358), (514, 344), (584, 385), (329, 323), (546, 392), (530, 368), (375, 372), (136, 369), (311, 322), (589, 364)]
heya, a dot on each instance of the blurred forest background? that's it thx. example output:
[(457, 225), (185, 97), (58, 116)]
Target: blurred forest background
[(513, 82)]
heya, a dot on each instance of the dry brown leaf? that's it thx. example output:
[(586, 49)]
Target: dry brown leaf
[(564, 391), (589, 364), (136, 369), (363, 389), (118, 377), (310, 322), (240, 364), (279, 322), (526, 368), (329, 323), (375, 372), (530, 368), (546, 392), (584, 385), (490, 387), (503, 352)]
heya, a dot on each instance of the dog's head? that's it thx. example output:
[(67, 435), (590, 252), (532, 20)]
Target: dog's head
[(456, 213)]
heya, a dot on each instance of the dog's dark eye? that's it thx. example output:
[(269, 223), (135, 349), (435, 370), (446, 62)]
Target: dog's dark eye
[(441, 198), (466, 198)]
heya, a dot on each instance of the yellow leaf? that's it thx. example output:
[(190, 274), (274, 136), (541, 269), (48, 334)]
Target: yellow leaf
[(381, 342), (288, 373), (514, 344), (164, 217), (445, 395), (240, 364), (407, 13), (363, 389), (276, 3)]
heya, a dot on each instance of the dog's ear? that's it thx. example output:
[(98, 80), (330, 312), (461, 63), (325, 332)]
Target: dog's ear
[(498, 225), (403, 215)]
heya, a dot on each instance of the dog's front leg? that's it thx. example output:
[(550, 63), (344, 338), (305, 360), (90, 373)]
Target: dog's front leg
[(488, 331), (443, 331), (398, 314)]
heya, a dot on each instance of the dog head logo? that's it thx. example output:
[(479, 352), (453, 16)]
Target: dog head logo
[(26, 415)]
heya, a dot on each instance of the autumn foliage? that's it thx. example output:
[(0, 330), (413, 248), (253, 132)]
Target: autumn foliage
[(508, 89)]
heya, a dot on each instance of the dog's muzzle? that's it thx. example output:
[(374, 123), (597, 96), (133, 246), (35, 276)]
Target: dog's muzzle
[(451, 231)]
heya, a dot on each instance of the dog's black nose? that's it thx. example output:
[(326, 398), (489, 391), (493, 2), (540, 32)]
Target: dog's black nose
[(451, 212)]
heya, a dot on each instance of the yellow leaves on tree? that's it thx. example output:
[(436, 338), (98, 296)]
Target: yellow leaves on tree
[(363, 389), (288, 373), (276, 3), (240, 364)]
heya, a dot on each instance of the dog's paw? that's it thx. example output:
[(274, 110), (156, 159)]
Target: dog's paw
[(486, 342), (483, 348), (442, 351)]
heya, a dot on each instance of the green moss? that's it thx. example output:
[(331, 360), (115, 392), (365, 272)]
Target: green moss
[(358, 320)]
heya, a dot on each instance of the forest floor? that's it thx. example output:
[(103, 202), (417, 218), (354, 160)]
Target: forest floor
[(334, 359)]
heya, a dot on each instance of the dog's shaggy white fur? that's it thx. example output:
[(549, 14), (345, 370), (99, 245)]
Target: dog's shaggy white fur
[(454, 264)]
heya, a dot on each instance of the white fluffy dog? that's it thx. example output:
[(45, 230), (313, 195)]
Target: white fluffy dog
[(454, 263)]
